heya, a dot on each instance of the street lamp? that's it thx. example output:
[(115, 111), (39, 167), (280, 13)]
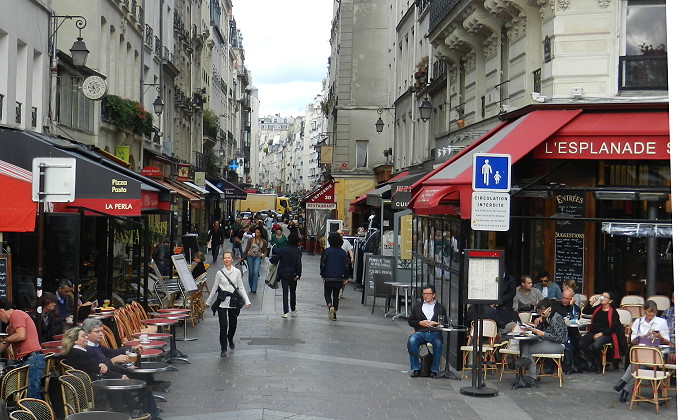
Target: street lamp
[(425, 110), (158, 106), (379, 124), (79, 50)]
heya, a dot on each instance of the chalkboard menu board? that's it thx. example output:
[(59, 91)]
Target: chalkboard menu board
[(569, 238), (5, 276), (378, 268), (569, 259)]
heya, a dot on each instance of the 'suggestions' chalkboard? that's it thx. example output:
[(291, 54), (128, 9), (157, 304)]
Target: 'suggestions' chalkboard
[(569, 261)]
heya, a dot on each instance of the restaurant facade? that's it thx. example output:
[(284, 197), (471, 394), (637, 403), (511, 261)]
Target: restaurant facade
[(589, 201)]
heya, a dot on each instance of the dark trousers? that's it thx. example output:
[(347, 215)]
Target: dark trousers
[(228, 320), (592, 348), (289, 286), (215, 252), (331, 291)]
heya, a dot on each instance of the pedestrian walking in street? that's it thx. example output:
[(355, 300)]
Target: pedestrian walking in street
[(228, 280), (289, 260), (335, 269), (254, 253), (215, 240), (278, 240)]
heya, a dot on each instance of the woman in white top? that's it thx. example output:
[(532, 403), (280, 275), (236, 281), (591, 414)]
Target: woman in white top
[(228, 316)]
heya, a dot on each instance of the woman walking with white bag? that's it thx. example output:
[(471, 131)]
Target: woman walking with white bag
[(228, 280)]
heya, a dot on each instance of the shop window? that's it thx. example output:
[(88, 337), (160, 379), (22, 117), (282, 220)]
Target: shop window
[(644, 63), (361, 153), (73, 109)]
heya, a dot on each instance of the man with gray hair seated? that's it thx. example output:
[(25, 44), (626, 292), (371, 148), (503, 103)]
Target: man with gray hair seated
[(94, 331)]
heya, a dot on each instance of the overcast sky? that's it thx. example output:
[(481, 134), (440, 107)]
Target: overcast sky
[(286, 49)]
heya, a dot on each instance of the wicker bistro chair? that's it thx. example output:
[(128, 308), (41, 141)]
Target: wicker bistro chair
[(21, 415), (540, 362), (64, 367), (15, 384), (87, 383), (49, 373), (648, 365), (636, 310), (70, 396), (626, 321), (632, 300), (40, 409), (78, 387), (663, 302), (487, 349), (506, 352)]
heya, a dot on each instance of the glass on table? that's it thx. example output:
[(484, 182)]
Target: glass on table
[(441, 320)]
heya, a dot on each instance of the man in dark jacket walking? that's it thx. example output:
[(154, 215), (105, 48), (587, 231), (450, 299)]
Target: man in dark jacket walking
[(424, 318), (289, 260), (216, 239), (335, 269)]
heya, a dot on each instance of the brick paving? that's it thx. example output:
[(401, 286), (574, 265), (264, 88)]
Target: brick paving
[(308, 367)]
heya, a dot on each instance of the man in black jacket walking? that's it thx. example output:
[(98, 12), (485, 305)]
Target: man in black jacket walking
[(289, 260), (424, 318)]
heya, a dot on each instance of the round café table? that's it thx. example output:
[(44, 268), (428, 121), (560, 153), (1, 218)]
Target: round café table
[(116, 385), (147, 370), (98, 415), (151, 344), (178, 311), (174, 354), (51, 344)]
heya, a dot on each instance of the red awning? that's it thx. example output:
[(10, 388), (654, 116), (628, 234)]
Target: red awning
[(517, 139), (353, 204), (184, 192), (18, 210), (322, 198), (399, 176), (437, 199)]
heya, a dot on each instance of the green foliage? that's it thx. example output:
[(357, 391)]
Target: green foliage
[(210, 123), (127, 114)]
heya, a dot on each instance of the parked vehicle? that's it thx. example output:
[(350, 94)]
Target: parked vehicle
[(263, 202)]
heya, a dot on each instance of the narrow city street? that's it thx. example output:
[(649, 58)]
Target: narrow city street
[(308, 367)]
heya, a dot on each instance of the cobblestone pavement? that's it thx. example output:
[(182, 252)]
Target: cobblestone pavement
[(308, 367)]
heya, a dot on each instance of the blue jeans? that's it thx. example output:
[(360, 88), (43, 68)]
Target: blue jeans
[(253, 271), (423, 337), (36, 368)]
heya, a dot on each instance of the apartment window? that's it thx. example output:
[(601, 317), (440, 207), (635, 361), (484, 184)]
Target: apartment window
[(644, 65), (361, 153), (73, 109)]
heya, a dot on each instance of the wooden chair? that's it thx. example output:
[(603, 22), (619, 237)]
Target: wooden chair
[(634, 287), (110, 337), (21, 415), (15, 384), (540, 361), (74, 384), (663, 302), (626, 320), (49, 372), (487, 349), (87, 383), (648, 365), (40, 409)]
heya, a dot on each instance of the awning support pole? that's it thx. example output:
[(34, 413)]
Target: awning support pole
[(651, 252)]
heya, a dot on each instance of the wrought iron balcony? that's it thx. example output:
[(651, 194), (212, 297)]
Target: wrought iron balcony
[(643, 72), (149, 35)]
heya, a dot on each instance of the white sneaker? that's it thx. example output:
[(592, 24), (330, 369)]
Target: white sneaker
[(294, 313), (284, 316)]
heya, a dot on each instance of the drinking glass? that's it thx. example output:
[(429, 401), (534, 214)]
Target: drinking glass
[(441, 320)]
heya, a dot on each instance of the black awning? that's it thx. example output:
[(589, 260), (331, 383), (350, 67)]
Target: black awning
[(231, 191), (97, 187)]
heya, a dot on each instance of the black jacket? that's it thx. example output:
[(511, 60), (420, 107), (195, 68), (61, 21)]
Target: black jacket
[(335, 264), (47, 330), (416, 315), (289, 260)]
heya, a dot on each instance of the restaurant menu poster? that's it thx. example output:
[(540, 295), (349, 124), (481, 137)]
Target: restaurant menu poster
[(484, 270)]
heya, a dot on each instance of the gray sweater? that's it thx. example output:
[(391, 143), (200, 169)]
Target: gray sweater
[(521, 299)]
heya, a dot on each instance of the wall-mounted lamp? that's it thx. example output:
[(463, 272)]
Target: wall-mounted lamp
[(425, 110), (158, 106), (379, 124)]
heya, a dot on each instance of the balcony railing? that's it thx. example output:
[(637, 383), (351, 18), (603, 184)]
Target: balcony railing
[(158, 49), (17, 113), (149, 35), (34, 117), (201, 162), (643, 72)]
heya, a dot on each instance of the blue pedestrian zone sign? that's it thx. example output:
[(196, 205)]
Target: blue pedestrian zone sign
[(492, 172), (234, 165)]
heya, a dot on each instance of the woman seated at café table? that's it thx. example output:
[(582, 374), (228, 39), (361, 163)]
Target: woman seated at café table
[(605, 328), (551, 332), (649, 330)]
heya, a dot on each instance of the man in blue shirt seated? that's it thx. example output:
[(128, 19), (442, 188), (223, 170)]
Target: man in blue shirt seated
[(65, 298), (549, 289), (424, 318)]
